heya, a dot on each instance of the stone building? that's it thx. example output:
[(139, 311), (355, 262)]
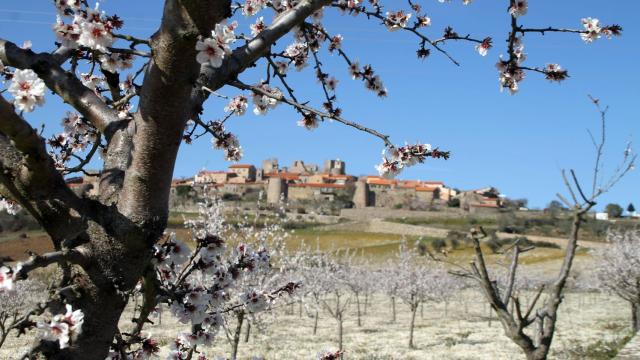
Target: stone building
[(245, 172), (84, 186), (299, 167), (270, 166), (212, 177), (335, 167)]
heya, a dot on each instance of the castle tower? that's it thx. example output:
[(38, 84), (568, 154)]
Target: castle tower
[(361, 195), (270, 166), (276, 187), (335, 167)]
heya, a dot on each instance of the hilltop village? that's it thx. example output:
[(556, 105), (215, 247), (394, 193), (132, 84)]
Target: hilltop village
[(303, 183)]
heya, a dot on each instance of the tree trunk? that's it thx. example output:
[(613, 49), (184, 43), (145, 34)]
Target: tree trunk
[(358, 309), (247, 332), (635, 317), (414, 310), (340, 332), (236, 335), (315, 323), (366, 302), (393, 308)]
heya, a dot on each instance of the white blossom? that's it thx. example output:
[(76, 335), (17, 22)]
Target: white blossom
[(27, 90)]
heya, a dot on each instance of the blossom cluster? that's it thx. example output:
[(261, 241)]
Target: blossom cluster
[(63, 328), (8, 277), (510, 72), (593, 30), (214, 49), (89, 28), (10, 206), (226, 142), (372, 80), (394, 160), (77, 134), (204, 284), (263, 103), (27, 90)]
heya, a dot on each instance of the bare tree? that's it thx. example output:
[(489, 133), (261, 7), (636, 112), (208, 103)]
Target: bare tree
[(619, 269), (137, 122), (520, 316)]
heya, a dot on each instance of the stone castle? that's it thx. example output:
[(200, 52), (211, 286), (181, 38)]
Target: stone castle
[(302, 182)]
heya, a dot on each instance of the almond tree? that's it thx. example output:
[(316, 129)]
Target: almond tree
[(417, 283), (619, 270), (136, 118), (521, 316)]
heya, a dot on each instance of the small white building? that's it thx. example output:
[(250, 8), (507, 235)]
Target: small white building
[(602, 216)]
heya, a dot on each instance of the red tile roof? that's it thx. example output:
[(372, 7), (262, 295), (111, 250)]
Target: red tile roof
[(240, 166)]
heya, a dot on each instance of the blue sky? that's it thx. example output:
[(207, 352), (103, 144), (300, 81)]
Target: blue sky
[(515, 143)]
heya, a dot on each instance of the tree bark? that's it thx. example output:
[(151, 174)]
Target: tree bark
[(236, 335), (635, 317), (315, 323), (393, 308), (358, 310), (414, 310)]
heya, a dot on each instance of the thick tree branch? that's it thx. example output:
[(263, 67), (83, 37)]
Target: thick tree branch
[(246, 55), (63, 83), (30, 176)]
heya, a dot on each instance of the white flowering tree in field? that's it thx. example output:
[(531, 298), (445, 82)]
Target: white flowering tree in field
[(619, 269), (418, 283), (135, 100)]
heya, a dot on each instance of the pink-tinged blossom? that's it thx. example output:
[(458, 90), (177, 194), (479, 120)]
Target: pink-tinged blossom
[(519, 8), (299, 53), (592, 28), (396, 20), (213, 50), (66, 7), (7, 278), (67, 34), (10, 206), (484, 46), (424, 21), (252, 7), (282, 67), (258, 26), (238, 105), (93, 82), (95, 35), (335, 43), (394, 160), (554, 72), (127, 85), (115, 62), (349, 5), (254, 300), (354, 70), (331, 83), (27, 90), (262, 103), (63, 328), (209, 52), (309, 122)]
